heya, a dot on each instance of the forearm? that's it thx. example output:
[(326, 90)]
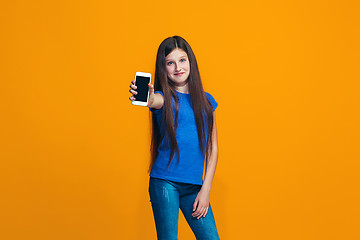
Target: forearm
[(210, 170), (212, 159), (157, 101)]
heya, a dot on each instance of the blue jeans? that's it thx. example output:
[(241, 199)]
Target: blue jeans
[(166, 198)]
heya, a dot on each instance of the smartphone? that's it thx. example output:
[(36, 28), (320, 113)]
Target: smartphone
[(141, 82)]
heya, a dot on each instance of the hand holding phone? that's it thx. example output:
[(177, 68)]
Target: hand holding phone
[(140, 89)]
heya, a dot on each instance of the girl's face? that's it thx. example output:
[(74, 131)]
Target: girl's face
[(177, 66)]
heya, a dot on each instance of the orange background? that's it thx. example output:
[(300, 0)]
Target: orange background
[(74, 151)]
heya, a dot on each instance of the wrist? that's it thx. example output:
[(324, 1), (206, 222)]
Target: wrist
[(206, 189)]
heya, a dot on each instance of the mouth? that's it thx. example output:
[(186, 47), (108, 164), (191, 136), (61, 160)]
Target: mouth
[(179, 74)]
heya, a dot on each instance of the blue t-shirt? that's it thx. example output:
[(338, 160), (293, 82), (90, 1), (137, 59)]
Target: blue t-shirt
[(189, 168)]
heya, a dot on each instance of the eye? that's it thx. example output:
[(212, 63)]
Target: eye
[(169, 63), (183, 60)]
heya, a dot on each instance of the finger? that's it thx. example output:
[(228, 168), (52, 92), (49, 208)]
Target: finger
[(206, 212), (201, 213), (133, 86), (197, 212), (195, 204), (133, 92), (132, 98)]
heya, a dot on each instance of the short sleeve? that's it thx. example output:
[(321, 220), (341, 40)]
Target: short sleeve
[(154, 110), (212, 101)]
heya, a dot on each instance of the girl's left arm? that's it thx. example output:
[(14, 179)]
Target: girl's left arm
[(201, 204)]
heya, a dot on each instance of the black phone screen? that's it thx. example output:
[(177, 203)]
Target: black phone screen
[(142, 88)]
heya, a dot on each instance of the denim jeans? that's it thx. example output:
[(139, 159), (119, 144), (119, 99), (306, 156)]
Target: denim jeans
[(166, 198)]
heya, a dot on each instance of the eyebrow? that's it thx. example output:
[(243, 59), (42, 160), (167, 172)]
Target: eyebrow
[(180, 57)]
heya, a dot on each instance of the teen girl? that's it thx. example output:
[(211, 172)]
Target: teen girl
[(183, 136)]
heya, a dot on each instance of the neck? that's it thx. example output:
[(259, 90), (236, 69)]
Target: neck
[(182, 89)]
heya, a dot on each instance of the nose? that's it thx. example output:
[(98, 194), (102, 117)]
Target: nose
[(177, 68)]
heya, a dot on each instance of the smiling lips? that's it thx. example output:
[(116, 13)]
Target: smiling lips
[(179, 74)]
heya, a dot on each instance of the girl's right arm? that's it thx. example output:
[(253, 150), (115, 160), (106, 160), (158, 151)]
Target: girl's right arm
[(156, 100)]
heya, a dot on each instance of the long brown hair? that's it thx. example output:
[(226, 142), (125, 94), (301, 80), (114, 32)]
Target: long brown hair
[(201, 105)]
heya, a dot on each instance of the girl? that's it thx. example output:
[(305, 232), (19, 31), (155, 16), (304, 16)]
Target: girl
[(183, 136)]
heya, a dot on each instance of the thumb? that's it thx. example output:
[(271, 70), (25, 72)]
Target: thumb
[(151, 88)]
